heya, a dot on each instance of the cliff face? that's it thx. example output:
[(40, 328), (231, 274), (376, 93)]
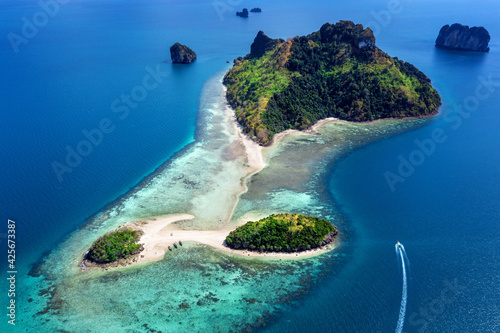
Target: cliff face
[(181, 54), (461, 37)]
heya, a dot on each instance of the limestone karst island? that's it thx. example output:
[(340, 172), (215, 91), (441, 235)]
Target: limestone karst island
[(334, 72), (181, 54), (461, 37)]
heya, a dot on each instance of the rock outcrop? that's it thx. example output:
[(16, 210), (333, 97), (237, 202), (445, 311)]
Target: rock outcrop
[(261, 44), (256, 10), (461, 37), (243, 13), (181, 54)]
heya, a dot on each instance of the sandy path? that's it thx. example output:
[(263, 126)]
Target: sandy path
[(159, 233)]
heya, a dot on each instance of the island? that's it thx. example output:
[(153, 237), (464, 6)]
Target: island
[(282, 233), (181, 54), (114, 246), (256, 10), (243, 13), (461, 37), (336, 72)]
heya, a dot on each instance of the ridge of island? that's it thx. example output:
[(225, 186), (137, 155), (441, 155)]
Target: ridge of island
[(334, 72)]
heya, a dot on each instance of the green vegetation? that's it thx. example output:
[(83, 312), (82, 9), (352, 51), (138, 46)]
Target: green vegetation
[(335, 72), (115, 245), (283, 232)]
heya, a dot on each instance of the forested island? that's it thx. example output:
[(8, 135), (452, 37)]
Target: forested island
[(115, 245), (282, 233), (334, 72)]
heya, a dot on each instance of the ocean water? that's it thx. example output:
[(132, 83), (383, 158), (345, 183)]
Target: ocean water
[(64, 81)]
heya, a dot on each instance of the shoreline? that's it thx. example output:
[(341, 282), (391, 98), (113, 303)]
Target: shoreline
[(161, 232)]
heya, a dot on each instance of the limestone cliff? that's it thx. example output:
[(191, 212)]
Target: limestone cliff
[(461, 37), (181, 54)]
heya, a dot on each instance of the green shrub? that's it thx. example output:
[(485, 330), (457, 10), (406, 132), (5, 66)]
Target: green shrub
[(115, 245)]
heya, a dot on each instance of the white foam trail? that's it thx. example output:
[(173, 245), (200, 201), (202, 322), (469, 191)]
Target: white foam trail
[(407, 261), (404, 297)]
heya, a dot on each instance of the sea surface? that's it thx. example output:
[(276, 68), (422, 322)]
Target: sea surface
[(70, 75)]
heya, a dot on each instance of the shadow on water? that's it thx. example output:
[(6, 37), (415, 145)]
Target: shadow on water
[(471, 59)]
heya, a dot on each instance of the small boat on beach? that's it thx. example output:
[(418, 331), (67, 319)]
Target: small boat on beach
[(175, 245), (180, 243), (169, 248)]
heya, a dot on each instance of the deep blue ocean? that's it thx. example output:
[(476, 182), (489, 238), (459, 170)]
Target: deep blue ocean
[(70, 75)]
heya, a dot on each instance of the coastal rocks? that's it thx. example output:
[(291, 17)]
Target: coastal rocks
[(181, 54), (261, 44), (243, 13), (329, 238), (461, 37), (256, 10)]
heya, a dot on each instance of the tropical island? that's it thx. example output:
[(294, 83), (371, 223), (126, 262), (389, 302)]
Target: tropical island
[(334, 72), (282, 233), (114, 246)]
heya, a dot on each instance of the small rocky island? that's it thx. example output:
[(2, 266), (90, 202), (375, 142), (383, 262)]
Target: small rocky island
[(337, 72), (114, 246), (461, 37), (256, 10), (181, 54), (282, 233), (243, 13)]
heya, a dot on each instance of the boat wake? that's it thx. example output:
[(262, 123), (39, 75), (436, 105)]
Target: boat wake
[(400, 251)]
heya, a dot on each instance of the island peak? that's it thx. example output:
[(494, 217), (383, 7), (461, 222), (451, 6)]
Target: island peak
[(261, 44)]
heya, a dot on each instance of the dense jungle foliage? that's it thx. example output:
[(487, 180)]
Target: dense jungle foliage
[(283, 232)]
